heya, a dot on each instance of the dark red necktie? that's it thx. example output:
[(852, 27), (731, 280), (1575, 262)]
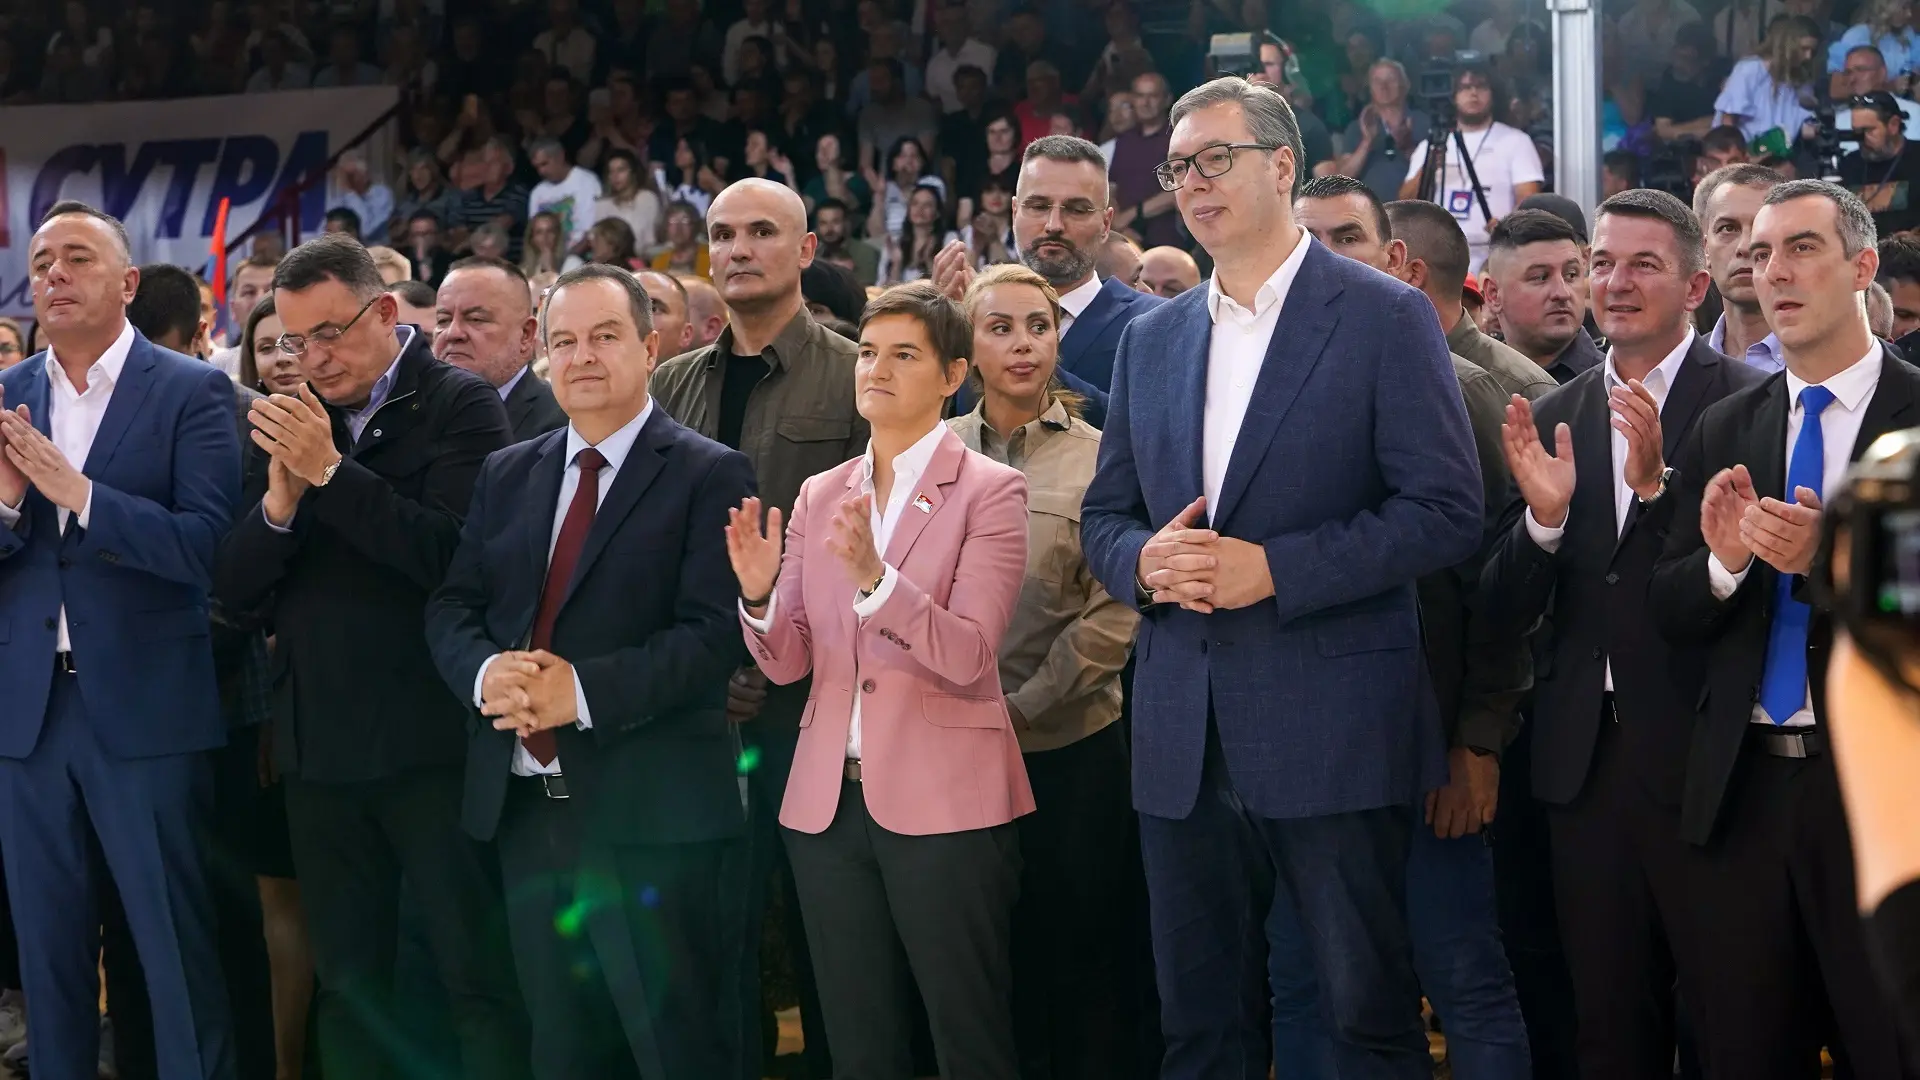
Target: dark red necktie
[(566, 555)]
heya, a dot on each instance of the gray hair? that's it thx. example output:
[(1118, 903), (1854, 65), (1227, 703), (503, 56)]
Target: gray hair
[(1399, 70), (546, 145), (1270, 119), (1071, 149), (1880, 310), (1743, 174), (1857, 232), (330, 257), (638, 301)]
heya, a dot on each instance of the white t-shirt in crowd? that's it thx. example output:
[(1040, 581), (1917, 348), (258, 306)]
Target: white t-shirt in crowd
[(571, 200), (1502, 157)]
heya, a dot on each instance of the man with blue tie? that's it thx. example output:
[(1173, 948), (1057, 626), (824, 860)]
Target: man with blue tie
[(1771, 862), (1287, 453), (119, 475)]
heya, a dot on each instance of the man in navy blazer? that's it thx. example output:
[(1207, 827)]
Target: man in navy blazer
[(120, 471), (1295, 434)]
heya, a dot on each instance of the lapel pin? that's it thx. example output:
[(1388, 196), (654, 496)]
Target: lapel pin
[(922, 503)]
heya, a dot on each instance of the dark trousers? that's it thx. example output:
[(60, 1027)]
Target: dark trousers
[(1456, 951), (1776, 938), (619, 948), (1523, 886), (1074, 1008), (884, 910), (351, 845), (1213, 878), (144, 817)]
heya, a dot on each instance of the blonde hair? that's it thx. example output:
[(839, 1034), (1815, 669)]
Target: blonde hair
[(1782, 47), (385, 259), (1018, 274), (1879, 18)]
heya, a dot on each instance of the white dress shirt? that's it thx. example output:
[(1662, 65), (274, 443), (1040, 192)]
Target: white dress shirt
[(1235, 355), (1839, 428), (614, 448), (1658, 382), (73, 419), (908, 468), (1075, 303)]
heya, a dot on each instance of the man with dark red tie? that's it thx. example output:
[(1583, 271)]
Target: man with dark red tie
[(589, 617)]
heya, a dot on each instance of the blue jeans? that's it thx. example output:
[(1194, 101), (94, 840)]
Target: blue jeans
[(1457, 953)]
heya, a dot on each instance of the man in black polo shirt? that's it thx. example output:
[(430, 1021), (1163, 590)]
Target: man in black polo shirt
[(1882, 171)]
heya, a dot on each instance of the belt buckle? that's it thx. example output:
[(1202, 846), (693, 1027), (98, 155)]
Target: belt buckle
[(853, 770), (554, 785), (1793, 742), (63, 663)]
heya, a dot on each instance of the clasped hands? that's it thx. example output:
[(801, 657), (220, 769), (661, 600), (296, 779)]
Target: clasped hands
[(1738, 524), (297, 435), (528, 691), (32, 458), (1199, 569)]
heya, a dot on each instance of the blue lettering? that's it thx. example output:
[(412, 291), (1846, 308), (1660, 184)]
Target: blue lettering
[(119, 185), (187, 157), (308, 152), (247, 165), (53, 176), (20, 297)]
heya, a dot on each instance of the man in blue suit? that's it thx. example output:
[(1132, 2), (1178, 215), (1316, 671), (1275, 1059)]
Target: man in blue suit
[(119, 475), (1295, 434), (1061, 216)]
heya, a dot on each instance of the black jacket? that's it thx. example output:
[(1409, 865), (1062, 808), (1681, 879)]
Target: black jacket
[(531, 409), (1595, 585), (355, 693), (1748, 428), (649, 626)]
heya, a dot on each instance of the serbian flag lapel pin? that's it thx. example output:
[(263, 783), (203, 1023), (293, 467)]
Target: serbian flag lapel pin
[(922, 503)]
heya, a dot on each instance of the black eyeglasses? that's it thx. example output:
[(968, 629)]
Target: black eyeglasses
[(1211, 162), (297, 344)]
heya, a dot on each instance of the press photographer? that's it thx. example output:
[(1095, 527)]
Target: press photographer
[(1485, 167), (1882, 171)]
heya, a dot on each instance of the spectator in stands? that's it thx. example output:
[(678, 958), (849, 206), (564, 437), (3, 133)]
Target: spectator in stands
[(13, 343), (1045, 98), (543, 251), (341, 219), (1900, 273), (1505, 162), (1681, 101), (1119, 119), (1385, 133), (1143, 207), (1119, 258), (263, 365), (565, 43), (490, 241), (682, 121), (1168, 271), (355, 189), (831, 221), (893, 117), (392, 265), (1886, 25), (610, 241), (426, 190), (1764, 93), (1123, 59), (762, 161), (1280, 69), (1865, 72), (630, 196), (1648, 29), (1725, 204), (1490, 37), (999, 164), (1530, 283), (566, 192), (278, 70), (691, 178), (344, 66), (1025, 41), (497, 199), (955, 48), (1722, 146), (678, 39), (425, 247), (685, 251), (989, 234), (833, 179), (706, 311), (907, 168), (909, 252), (830, 292), (415, 300), (669, 299), (755, 23), (1619, 170), (1880, 171)]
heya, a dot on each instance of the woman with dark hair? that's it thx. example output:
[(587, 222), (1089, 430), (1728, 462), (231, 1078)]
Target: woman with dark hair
[(1002, 161), (13, 343), (686, 248), (832, 178), (426, 189), (630, 196), (831, 291), (264, 366), (907, 168), (690, 177), (909, 253), (610, 241)]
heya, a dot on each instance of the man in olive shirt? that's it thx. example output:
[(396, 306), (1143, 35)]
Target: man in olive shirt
[(778, 387), (1433, 238)]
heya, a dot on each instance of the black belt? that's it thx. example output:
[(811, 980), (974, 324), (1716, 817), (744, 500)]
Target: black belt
[(552, 785), (63, 664), (1782, 742)]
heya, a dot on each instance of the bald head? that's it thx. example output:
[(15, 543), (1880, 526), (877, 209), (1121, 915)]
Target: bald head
[(1168, 271), (670, 315), (757, 236), (706, 312)]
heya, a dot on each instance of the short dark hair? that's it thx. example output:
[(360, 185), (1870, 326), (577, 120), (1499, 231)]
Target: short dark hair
[(1523, 227), (1722, 139), (330, 257), (833, 286), (1852, 219), (1740, 174), (1900, 260), (1648, 204), (638, 302), (348, 215), (418, 293), (1698, 37), (1071, 149), (167, 302), (488, 262), (75, 206), (829, 203), (969, 71), (946, 323), (1337, 186), (1622, 163), (1433, 236)]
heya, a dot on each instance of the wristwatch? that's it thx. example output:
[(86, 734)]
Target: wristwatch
[(875, 587), (326, 475), (1666, 477)]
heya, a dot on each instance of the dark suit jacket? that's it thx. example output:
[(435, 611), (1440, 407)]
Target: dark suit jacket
[(166, 471), (1748, 428), (1355, 470), (648, 624), (1088, 348), (356, 696), (531, 409), (1580, 356), (1595, 586)]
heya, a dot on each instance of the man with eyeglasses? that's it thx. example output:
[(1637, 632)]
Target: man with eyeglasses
[(1286, 455), (353, 526), (1061, 219)]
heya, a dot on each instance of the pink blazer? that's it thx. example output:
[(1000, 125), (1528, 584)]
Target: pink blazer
[(938, 753)]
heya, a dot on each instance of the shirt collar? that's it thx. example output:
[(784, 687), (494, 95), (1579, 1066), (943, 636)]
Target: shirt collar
[(109, 365), (1077, 301), (1770, 345), (1270, 294), (506, 388), (908, 466), (785, 349), (614, 447), (1660, 380), (1850, 387), (383, 385)]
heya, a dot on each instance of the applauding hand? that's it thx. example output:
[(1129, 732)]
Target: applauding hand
[(754, 551), (1545, 479)]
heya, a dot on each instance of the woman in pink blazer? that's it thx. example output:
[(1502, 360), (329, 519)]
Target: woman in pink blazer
[(900, 573)]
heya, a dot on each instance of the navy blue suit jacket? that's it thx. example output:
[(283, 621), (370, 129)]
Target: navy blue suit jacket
[(165, 467), (1088, 348), (1355, 470), (648, 624)]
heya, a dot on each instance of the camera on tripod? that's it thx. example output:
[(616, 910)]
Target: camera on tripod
[(1239, 54), (1436, 86), (1433, 85), (1829, 142)]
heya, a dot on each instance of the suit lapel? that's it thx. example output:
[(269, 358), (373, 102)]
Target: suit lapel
[(542, 506), (942, 469), (36, 394), (1685, 399), (1184, 368), (519, 401), (1891, 406), (644, 462), (1306, 323), (1767, 438), (1087, 328), (129, 394), (1592, 461)]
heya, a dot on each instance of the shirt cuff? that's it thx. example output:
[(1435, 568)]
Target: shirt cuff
[(764, 624), (866, 609), (1547, 540), (86, 508), (1723, 581), (479, 679), (583, 717), (287, 528)]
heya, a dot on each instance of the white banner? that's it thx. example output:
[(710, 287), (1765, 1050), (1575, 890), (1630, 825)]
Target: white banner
[(162, 167)]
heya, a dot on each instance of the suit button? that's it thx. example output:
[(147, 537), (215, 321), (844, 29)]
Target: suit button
[(376, 433), (867, 687), (65, 562), (51, 624), (1596, 653), (1613, 579)]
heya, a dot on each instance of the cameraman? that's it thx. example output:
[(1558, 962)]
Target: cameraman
[(1500, 166), (1883, 171)]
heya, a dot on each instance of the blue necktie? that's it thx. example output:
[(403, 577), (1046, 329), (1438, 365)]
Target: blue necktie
[(1783, 688)]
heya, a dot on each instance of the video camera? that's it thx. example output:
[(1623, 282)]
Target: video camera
[(1867, 571), (1239, 54), (1433, 84), (1829, 142)]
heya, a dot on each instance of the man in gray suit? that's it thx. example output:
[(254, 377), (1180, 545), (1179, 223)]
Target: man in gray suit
[(484, 322)]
